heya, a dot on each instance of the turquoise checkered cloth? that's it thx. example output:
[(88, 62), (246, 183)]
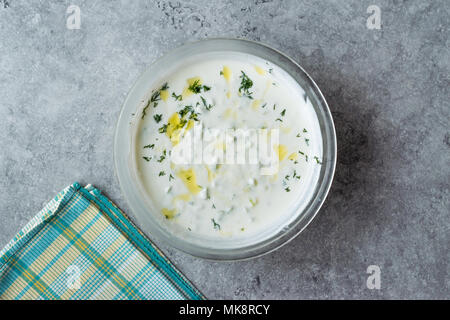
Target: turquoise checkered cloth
[(81, 246)]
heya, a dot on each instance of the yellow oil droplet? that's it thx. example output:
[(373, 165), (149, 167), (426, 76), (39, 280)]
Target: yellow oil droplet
[(172, 124), (220, 145), (282, 151), (175, 137), (189, 179), (164, 95), (230, 113), (169, 214), (293, 156), (211, 175), (228, 94), (255, 104), (260, 70), (193, 80), (285, 129), (183, 197), (190, 125), (226, 72), (254, 202), (186, 91)]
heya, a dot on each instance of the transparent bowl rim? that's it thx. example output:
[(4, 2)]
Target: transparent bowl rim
[(133, 196)]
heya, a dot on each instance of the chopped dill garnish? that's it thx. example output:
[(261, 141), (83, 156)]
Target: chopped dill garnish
[(246, 84), (307, 142), (163, 156), (165, 86), (207, 106), (177, 97), (147, 158), (278, 119), (215, 224), (185, 111), (287, 189), (287, 177), (196, 87), (145, 109), (157, 117), (298, 135), (304, 130), (155, 97), (162, 173), (264, 105), (149, 146), (171, 177), (317, 160), (283, 112), (163, 129)]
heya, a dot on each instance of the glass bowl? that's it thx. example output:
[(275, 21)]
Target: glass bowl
[(125, 165)]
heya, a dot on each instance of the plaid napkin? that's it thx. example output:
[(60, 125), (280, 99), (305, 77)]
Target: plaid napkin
[(81, 246)]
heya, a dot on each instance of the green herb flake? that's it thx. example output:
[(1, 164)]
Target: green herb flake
[(162, 173), (207, 106), (149, 146), (177, 97), (163, 156), (163, 129), (155, 97), (215, 224), (196, 87), (157, 117), (147, 158), (246, 84)]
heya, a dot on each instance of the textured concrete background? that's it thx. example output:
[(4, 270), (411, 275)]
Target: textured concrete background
[(61, 91)]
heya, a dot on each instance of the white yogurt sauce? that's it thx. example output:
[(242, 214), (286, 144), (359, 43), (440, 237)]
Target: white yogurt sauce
[(228, 201)]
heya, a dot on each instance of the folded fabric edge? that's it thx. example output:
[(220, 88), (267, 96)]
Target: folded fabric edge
[(34, 225), (140, 240), (117, 217)]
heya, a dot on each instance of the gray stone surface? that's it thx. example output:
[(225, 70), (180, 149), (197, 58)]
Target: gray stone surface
[(61, 91)]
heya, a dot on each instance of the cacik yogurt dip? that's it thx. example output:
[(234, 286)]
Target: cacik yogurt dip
[(219, 108)]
